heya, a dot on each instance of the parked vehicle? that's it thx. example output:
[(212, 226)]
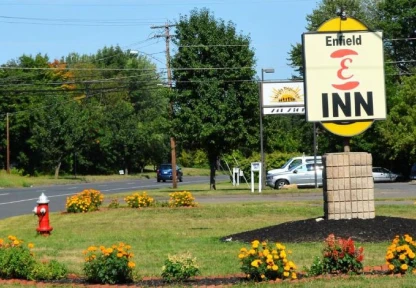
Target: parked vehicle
[(381, 174), (164, 172), (302, 175), (412, 175), (294, 162)]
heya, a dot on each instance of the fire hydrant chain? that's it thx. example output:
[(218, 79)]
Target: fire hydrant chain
[(42, 211)]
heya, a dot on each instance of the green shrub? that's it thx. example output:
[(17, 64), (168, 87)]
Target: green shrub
[(112, 265), (182, 199), (85, 201), (266, 263), (16, 260), (138, 200), (401, 254), (52, 270), (179, 268), (339, 256), (114, 204)]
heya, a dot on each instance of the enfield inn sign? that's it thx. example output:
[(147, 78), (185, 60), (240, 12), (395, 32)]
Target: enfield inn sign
[(344, 76)]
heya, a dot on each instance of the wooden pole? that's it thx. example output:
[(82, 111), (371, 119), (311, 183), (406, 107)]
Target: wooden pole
[(8, 144), (347, 144)]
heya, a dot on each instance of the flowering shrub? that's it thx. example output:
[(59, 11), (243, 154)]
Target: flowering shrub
[(266, 262), (138, 200), (85, 201), (339, 256), (182, 199), (401, 254), (51, 270), (114, 203), (112, 265), (16, 260), (179, 267)]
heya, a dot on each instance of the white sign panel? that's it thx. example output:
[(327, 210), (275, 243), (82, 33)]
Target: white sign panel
[(280, 94), (284, 110), (344, 76)]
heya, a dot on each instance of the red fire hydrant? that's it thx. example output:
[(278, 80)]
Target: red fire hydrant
[(42, 211)]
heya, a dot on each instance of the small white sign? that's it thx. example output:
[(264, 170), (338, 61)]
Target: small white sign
[(284, 110), (255, 166)]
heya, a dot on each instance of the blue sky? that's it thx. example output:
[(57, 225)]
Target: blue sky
[(30, 27)]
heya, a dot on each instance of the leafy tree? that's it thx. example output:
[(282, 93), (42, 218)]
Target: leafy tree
[(397, 19), (23, 90), (216, 104), (327, 10)]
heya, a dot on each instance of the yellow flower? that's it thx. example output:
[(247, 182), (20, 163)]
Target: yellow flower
[(294, 276), (255, 244), (391, 267), (286, 274), (119, 255), (252, 252), (286, 268), (411, 255), (30, 245), (131, 264), (255, 263), (402, 257), (243, 249), (262, 276), (275, 267), (404, 267)]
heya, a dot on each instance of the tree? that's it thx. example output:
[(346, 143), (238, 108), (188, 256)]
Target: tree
[(397, 19), (216, 104)]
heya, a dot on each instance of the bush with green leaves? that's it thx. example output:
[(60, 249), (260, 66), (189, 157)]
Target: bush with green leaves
[(264, 261), (182, 199), (86, 201), (16, 259), (339, 256), (139, 200), (401, 254), (179, 268), (50, 270), (109, 265)]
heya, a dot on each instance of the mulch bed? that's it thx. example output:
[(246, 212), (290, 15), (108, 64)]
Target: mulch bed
[(378, 229)]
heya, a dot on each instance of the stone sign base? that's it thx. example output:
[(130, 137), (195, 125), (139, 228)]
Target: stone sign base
[(348, 186)]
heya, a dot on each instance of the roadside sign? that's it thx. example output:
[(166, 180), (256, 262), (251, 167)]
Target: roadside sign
[(344, 76), (346, 128)]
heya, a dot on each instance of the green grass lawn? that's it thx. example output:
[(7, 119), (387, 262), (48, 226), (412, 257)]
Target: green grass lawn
[(154, 233)]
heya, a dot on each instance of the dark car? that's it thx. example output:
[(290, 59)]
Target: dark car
[(165, 173)]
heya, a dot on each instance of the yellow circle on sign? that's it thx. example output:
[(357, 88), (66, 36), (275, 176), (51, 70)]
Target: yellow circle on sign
[(345, 129)]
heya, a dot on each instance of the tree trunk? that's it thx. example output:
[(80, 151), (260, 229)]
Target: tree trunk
[(57, 167), (213, 167)]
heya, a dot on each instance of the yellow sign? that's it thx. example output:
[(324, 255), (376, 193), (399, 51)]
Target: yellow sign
[(346, 129)]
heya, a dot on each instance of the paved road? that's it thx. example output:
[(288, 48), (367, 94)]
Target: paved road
[(15, 202), (19, 201)]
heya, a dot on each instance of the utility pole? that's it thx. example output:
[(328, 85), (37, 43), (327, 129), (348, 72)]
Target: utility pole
[(167, 37), (8, 145)]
